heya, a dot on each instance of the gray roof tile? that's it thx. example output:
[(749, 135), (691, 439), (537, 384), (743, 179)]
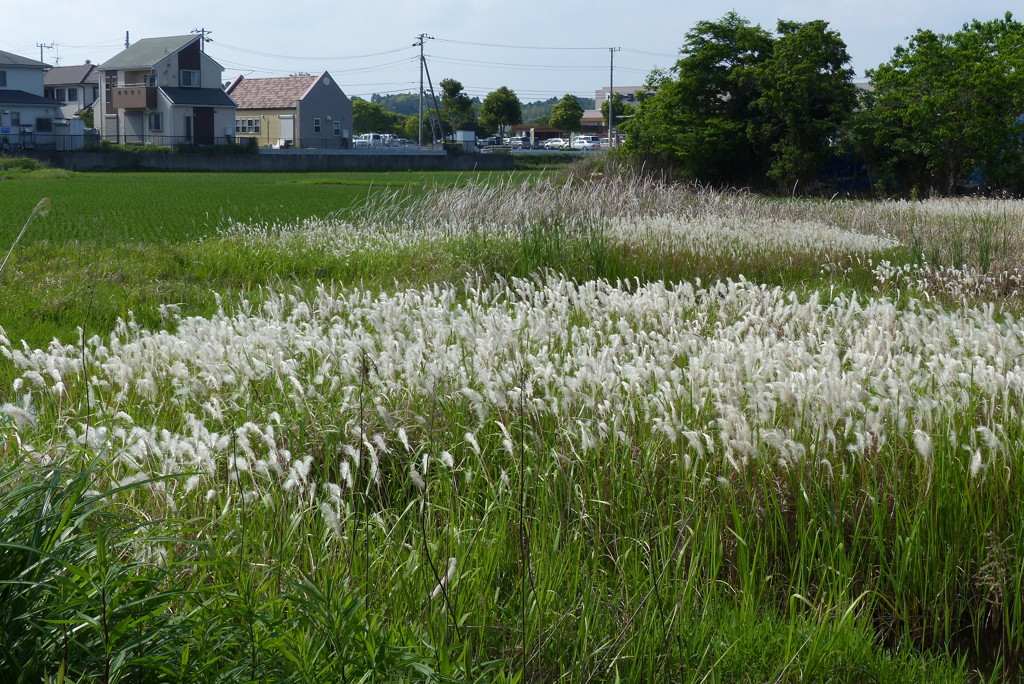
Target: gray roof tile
[(147, 52)]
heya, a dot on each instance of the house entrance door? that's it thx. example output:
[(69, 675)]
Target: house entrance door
[(204, 125)]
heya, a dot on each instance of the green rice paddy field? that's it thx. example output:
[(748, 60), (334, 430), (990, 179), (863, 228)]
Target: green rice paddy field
[(574, 427)]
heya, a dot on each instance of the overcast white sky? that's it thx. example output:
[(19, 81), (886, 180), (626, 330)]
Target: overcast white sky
[(485, 44)]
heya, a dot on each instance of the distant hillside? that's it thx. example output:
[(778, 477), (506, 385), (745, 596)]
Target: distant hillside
[(409, 104)]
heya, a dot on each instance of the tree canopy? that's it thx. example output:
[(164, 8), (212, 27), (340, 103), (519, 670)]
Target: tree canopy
[(619, 108), (500, 108), (371, 117), (742, 105), (947, 108), (567, 113), (457, 107)]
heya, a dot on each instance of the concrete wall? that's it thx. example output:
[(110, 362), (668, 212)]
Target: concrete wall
[(199, 161)]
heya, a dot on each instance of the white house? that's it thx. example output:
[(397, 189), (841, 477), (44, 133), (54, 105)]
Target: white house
[(164, 91), (78, 87), (27, 117)]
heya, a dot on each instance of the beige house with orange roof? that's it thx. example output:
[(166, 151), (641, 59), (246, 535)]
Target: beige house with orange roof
[(292, 111)]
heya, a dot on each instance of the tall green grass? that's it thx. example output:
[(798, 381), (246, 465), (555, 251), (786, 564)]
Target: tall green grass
[(635, 564)]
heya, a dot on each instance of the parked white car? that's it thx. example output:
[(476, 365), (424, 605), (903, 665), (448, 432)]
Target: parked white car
[(554, 144), (586, 142)]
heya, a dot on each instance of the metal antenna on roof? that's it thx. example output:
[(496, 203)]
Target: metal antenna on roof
[(203, 32)]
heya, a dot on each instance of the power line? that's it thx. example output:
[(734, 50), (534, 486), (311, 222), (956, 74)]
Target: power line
[(259, 53), (533, 67), (515, 47), (653, 54)]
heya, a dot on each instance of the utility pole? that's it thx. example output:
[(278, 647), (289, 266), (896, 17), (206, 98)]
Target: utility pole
[(611, 96), (420, 41), (41, 46), (203, 32), (126, 43)]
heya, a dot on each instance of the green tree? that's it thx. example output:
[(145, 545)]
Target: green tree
[(947, 107), (742, 106), (500, 108), (806, 97), (410, 129), (456, 106), (567, 113), (370, 117), (620, 108), (700, 119)]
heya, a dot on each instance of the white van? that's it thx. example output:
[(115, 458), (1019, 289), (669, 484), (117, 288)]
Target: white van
[(586, 142), (369, 140)]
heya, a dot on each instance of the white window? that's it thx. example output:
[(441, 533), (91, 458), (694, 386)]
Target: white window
[(156, 121), (244, 126), (189, 78), (3, 79), (337, 129), (316, 125), (72, 95), (59, 94)]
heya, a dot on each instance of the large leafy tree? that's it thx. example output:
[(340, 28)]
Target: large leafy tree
[(370, 117), (806, 98), (567, 113), (700, 120), (946, 108), (500, 108), (457, 106), (742, 105)]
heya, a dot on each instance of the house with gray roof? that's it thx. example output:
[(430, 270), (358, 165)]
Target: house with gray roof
[(27, 116), (164, 91), (78, 87), (292, 111)]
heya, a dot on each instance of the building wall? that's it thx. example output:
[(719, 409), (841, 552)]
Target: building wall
[(270, 124), (326, 101), (29, 79), (84, 96)]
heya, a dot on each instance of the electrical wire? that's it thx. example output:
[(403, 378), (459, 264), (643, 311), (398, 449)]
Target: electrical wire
[(515, 47), (259, 53), (530, 67)]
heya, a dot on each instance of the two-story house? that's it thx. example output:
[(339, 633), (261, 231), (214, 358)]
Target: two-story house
[(26, 115), (292, 111), (78, 87), (164, 91)]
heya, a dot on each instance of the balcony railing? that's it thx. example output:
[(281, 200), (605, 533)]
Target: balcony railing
[(136, 96)]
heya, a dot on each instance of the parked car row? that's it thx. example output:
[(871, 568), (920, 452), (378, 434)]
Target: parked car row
[(381, 140), (580, 142)]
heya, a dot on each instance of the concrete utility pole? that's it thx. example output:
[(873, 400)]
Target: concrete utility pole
[(126, 43), (41, 46), (611, 96), (420, 41), (203, 32)]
